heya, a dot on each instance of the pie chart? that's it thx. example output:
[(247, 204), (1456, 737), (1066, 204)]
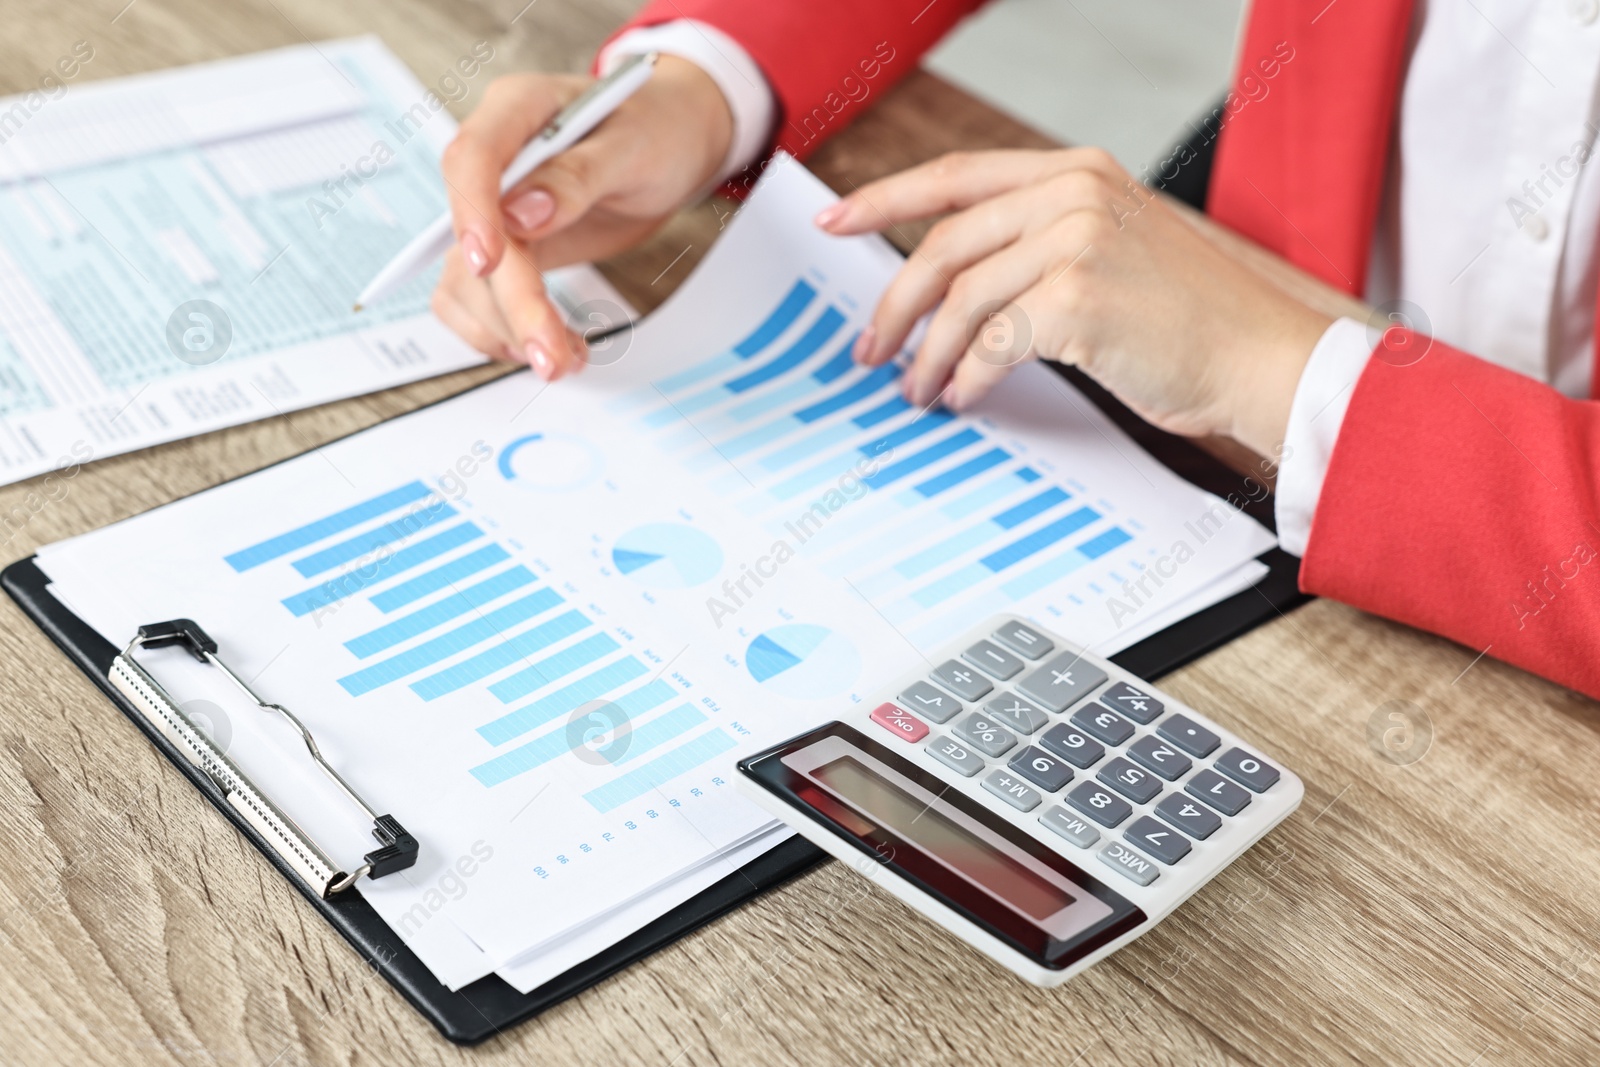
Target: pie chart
[(667, 555), (803, 662)]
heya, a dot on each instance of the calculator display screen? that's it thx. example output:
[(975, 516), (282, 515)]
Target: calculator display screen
[(961, 852), (930, 829)]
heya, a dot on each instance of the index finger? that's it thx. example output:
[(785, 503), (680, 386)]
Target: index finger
[(953, 182), (514, 108)]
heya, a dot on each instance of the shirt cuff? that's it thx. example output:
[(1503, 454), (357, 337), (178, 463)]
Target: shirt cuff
[(1320, 402), (750, 98)]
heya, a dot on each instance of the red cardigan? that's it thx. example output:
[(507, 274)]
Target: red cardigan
[(1461, 497)]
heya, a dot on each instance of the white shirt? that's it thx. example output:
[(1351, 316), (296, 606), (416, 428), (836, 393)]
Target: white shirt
[(1486, 239)]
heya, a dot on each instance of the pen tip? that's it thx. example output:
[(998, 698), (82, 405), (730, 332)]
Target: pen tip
[(356, 307)]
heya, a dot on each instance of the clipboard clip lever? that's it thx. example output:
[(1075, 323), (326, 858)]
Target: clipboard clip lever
[(397, 849)]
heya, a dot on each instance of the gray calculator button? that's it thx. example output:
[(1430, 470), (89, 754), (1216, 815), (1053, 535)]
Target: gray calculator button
[(1217, 791), (955, 755), (1194, 819), (1250, 771), (990, 657), (932, 704), (1160, 757), (1042, 769), (1135, 783), (962, 680), (1023, 640), (1070, 826), (1013, 790), (985, 735), (1016, 713), (1158, 839), (1101, 805), (1102, 722), (1188, 735), (1136, 704), (1064, 680), (1074, 746), (1128, 863)]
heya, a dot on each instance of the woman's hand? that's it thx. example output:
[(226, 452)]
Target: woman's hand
[(609, 191), (1061, 255)]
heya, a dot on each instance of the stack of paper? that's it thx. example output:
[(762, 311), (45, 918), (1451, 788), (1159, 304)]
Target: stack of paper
[(179, 251), (540, 624)]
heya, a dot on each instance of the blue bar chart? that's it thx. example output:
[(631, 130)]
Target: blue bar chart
[(942, 517), (460, 611)]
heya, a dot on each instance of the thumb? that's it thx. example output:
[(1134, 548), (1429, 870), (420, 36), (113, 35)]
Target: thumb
[(564, 189)]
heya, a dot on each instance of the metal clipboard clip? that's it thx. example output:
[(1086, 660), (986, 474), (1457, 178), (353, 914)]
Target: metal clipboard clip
[(398, 849)]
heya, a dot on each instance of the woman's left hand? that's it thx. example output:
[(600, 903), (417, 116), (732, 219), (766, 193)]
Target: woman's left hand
[(1061, 255)]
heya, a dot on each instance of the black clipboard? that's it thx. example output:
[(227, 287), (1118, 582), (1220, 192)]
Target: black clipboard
[(482, 1009)]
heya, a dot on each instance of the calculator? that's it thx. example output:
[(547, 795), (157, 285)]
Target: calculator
[(1040, 802)]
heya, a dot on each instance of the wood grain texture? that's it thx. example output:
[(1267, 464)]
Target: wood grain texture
[(1436, 913)]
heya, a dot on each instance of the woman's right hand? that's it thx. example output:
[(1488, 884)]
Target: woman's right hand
[(606, 193)]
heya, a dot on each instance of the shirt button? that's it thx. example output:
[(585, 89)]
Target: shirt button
[(1535, 227), (1583, 12)]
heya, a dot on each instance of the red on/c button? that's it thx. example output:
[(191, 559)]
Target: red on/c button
[(905, 724)]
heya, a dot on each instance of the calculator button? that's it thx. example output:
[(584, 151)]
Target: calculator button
[(1247, 770), (1135, 783), (1160, 757), (1016, 713), (1158, 839), (1196, 820), (956, 756), (1136, 704), (901, 722), (1217, 791), (962, 680), (1103, 723), (990, 657), (1129, 863), (1105, 808), (1064, 680), (1070, 826), (1011, 789), (1042, 769), (985, 735), (929, 702), (1023, 640), (1188, 735), (1074, 746)]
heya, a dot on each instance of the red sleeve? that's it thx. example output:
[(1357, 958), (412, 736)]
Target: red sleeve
[(1464, 499), (825, 59)]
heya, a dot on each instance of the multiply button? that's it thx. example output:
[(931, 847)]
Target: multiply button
[(1064, 680), (961, 680)]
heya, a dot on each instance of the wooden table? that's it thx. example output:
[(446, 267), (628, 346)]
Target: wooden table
[(1442, 911)]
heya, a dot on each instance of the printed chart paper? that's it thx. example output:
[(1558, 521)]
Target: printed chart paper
[(539, 624)]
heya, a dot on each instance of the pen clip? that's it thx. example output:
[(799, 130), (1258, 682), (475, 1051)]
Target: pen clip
[(566, 114)]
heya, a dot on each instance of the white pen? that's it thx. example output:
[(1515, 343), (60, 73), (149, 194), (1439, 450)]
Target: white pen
[(571, 124)]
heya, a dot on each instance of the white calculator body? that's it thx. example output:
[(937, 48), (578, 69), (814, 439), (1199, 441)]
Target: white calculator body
[(1043, 804)]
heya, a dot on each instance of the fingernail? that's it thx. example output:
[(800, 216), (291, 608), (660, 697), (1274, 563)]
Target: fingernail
[(540, 361), (865, 341), (830, 215), (532, 209), (473, 252)]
